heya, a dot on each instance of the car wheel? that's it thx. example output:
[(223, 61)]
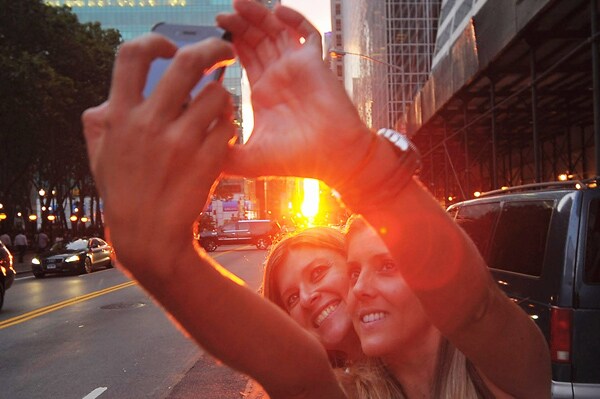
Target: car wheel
[(2, 290), (262, 243), (38, 274), (209, 245), (109, 265), (88, 265)]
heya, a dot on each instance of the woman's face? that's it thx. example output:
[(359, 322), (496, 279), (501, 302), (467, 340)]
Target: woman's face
[(387, 316), (313, 284)]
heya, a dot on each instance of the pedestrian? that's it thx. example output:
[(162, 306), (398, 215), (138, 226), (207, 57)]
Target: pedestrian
[(305, 125), (21, 245), (42, 241), (6, 240)]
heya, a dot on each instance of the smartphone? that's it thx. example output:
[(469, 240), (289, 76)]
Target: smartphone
[(183, 35)]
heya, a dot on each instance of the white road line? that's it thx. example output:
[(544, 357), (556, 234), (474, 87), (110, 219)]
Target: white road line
[(95, 393)]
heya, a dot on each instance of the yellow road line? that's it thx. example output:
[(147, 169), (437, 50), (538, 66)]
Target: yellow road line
[(247, 246), (51, 308)]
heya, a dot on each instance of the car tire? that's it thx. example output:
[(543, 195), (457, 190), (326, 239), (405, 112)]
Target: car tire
[(209, 245), (38, 274), (87, 265), (262, 243), (109, 265)]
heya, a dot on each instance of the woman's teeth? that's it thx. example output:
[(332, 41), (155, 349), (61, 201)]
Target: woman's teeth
[(325, 313)]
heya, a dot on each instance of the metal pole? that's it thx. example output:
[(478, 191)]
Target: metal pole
[(596, 83), (467, 180), (494, 136), (536, 139)]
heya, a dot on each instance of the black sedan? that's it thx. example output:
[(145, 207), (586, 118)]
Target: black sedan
[(81, 255), (7, 272)]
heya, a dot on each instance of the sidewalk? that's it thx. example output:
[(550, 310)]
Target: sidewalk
[(24, 267)]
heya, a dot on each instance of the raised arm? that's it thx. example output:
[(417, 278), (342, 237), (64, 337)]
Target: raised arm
[(154, 162), (305, 117)]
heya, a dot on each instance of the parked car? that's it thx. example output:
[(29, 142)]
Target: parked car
[(81, 255), (7, 272), (542, 244), (256, 232)]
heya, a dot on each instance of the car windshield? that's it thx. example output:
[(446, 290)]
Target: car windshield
[(76, 245)]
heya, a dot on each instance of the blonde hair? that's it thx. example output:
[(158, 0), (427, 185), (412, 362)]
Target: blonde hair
[(315, 237), (369, 379), (455, 376)]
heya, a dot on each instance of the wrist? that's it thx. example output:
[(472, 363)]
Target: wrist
[(392, 163)]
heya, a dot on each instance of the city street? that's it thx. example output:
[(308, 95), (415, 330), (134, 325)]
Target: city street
[(99, 335)]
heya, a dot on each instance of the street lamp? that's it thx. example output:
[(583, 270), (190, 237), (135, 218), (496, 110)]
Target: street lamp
[(387, 112), (336, 53)]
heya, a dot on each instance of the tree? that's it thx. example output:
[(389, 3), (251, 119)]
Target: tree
[(51, 69)]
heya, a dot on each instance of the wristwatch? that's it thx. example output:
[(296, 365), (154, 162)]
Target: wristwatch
[(409, 157)]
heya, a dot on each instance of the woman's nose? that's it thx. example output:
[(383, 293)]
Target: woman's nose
[(308, 298), (363, 286)]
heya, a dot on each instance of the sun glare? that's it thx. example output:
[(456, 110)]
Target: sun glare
[(310, 204)]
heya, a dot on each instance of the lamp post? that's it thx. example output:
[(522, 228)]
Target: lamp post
[(336, 53), (383, 95)]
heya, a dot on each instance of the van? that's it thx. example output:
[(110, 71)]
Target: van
[(542, 245), (258, 232)]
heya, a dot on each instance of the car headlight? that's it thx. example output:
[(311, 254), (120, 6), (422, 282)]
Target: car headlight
[(72, 258), (35, 261)]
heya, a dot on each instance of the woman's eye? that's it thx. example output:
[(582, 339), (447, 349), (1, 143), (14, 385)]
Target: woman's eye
[(353, 275), (387, 265), (317, 273), (291, 301)]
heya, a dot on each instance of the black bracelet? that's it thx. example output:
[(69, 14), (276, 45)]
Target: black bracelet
[(390, 185)]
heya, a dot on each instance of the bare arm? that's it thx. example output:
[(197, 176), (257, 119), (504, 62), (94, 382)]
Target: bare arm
[(303, 115), (154, 161)]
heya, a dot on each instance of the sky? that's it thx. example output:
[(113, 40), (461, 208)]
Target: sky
[(318, 12)]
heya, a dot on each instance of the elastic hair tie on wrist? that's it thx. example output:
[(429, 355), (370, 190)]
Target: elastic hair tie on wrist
[(369, 155)]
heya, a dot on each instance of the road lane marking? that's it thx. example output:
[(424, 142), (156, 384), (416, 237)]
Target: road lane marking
[(244, 247), (95, 393), (51, 308)]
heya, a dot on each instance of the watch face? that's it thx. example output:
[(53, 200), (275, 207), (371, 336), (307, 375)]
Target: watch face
[(398, 139), (401, 142)]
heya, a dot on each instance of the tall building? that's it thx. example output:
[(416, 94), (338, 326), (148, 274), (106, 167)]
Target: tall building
[(388, 47)]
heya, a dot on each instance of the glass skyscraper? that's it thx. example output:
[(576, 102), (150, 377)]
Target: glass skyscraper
[(133, 18)]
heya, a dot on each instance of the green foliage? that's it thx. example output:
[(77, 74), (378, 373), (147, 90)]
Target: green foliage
[(51, 69)]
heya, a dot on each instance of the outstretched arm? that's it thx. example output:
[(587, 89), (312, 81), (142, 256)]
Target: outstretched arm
[(154, 161), (304, 116)]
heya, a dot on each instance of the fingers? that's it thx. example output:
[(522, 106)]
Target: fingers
[(94, 127), (131, 68), (210, 108), (189, 65), (298, 23)]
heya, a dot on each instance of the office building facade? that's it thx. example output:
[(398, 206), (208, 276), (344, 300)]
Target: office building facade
[(389, 48)]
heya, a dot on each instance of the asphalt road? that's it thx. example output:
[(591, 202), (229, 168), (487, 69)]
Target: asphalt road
[(101, 336)]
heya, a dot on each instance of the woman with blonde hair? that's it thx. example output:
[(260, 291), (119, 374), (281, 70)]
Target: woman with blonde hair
[(399, 330)]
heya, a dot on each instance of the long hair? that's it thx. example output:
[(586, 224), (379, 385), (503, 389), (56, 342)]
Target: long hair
[(369, 379), (454, 376), (315, 237)]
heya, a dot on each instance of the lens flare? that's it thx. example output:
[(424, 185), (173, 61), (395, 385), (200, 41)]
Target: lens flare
[(310, 204)]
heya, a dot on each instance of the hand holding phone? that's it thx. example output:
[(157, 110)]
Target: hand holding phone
[(183, 35)]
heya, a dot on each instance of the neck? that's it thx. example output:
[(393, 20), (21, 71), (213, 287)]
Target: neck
[(414, 364), (351, 347), (347, 351)]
